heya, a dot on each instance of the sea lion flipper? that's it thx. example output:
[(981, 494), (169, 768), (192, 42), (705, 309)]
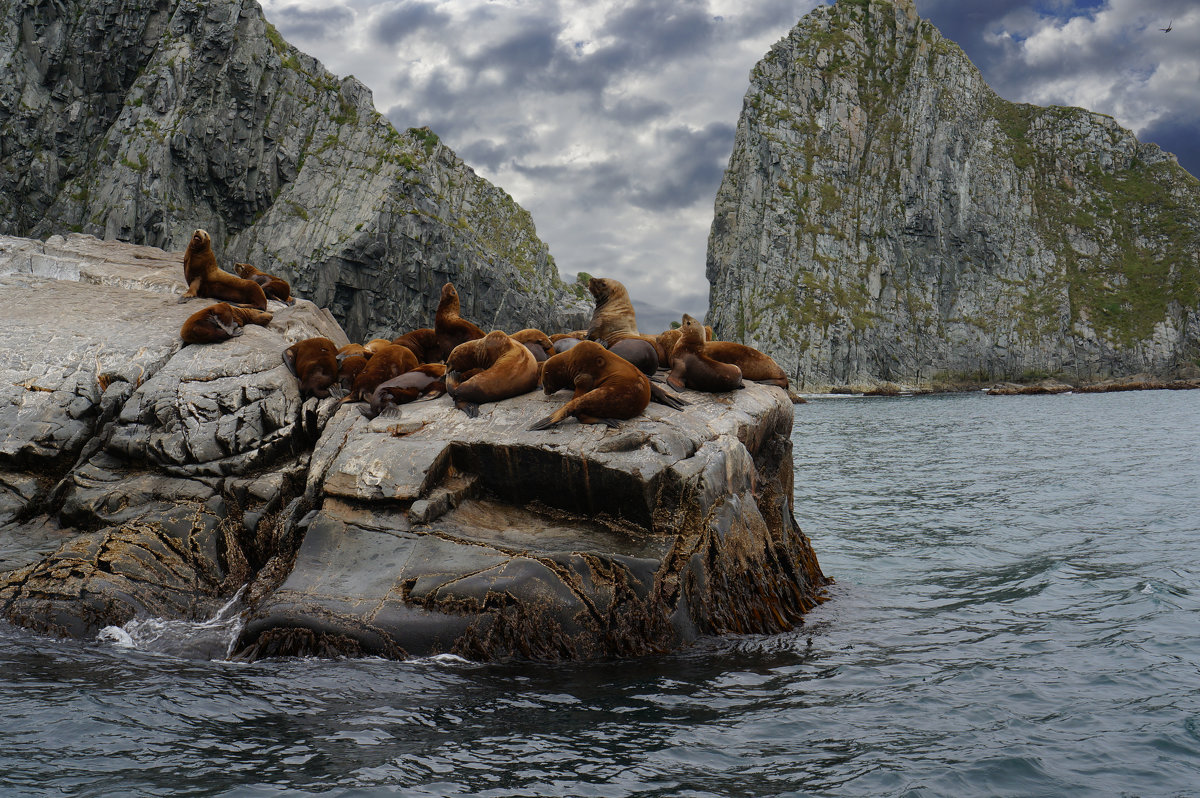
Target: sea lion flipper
[(550, 420), (338, 392), (470, 408), (657, 394), (390, 412)]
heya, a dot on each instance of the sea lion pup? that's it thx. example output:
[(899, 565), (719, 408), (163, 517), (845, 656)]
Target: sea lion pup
[(692, 368), (205, 278), (640, 353), (422, 342), (607, 386), (489, 369), (428, 380), (220, 322), (451, 328), (564, 343), (313, 361), (274, 287), (537, 341), (614, 319), (387, 362), (352, 359)]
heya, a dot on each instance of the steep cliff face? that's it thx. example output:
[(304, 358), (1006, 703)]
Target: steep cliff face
[(142, 120), (886, 217)]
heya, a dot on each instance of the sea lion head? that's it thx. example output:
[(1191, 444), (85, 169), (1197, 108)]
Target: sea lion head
[(200, 240), (601, 289), (244, 270), (691, 330), (448, 292)]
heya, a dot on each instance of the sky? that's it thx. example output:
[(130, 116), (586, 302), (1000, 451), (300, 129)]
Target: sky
[(612, 121)]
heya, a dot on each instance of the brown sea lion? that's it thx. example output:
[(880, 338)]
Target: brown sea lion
[(578, 335), (489, 369), (692, 368), (667, 340), (274, 287), (613, 319), (428, 380), (220, 322), (422, 342), (375, 344), (313, 361), (352, 359), (451, 328), (607, 386), (205, 278), (536, 341), (387, 362), (756, 366)]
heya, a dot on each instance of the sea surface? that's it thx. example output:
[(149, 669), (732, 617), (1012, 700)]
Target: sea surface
[(1015, 614)]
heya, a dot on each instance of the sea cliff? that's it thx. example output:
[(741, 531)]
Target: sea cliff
[(887, 220)]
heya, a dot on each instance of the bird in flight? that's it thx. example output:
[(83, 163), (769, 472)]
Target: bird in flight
[(1170, 26)]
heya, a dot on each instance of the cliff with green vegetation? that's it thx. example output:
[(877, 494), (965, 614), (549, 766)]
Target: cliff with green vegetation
[(141, 121), (887, 218)]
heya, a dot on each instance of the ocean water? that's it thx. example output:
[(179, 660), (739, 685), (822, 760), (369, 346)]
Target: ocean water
[(1015, 614)]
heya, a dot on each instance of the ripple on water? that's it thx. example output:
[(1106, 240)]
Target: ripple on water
[(1015, 614)]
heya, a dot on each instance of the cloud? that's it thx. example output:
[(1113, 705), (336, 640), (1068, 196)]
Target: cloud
[(311, 23), (405, 19)]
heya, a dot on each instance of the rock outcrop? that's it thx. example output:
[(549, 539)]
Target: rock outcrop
[(140, 477), (887, 218), (141, 121)]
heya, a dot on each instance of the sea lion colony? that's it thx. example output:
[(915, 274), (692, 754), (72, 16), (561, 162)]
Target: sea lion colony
[(613, 370)]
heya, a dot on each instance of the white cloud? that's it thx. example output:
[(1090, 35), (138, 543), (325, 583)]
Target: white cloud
[(611, 122)]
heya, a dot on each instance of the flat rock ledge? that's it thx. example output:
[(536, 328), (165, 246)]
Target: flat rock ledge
[(140, 477)]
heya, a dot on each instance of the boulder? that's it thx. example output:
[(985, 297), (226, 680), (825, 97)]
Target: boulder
[(143, 478)]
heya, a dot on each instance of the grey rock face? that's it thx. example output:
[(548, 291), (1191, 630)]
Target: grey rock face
[(887, 218), (143, 478), (142, 121)]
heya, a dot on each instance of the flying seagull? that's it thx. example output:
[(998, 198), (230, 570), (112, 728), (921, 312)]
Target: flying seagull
[(1170, 26)]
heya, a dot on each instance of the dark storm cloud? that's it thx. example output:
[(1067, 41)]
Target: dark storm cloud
[(591, 185), (1177, 134), (767, 16), (637, 110), (295, 22), (405, 19), (696, 162), (532, 50)]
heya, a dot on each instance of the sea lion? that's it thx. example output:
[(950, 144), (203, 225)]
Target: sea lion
[(274, 287), (614, 311), (489, 369), (451, 328), (428, 380), (692, 368), (565, 343), (220, 322), (756, 366), (375, 344), (205, 278), (639, 352), (387, 362), (536, 341), (607, 386), (667, 340), (422, 342), (313, 361), (578, 335), (352, 359), (613, 319)]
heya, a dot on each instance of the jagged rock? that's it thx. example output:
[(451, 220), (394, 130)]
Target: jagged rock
[(140, 477), (886, 217), (141, 121)]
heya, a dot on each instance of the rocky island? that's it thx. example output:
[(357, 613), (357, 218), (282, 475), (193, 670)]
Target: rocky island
[(140, 477), (888, 221)]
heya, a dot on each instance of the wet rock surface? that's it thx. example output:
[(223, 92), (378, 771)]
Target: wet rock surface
[(143, 478)]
